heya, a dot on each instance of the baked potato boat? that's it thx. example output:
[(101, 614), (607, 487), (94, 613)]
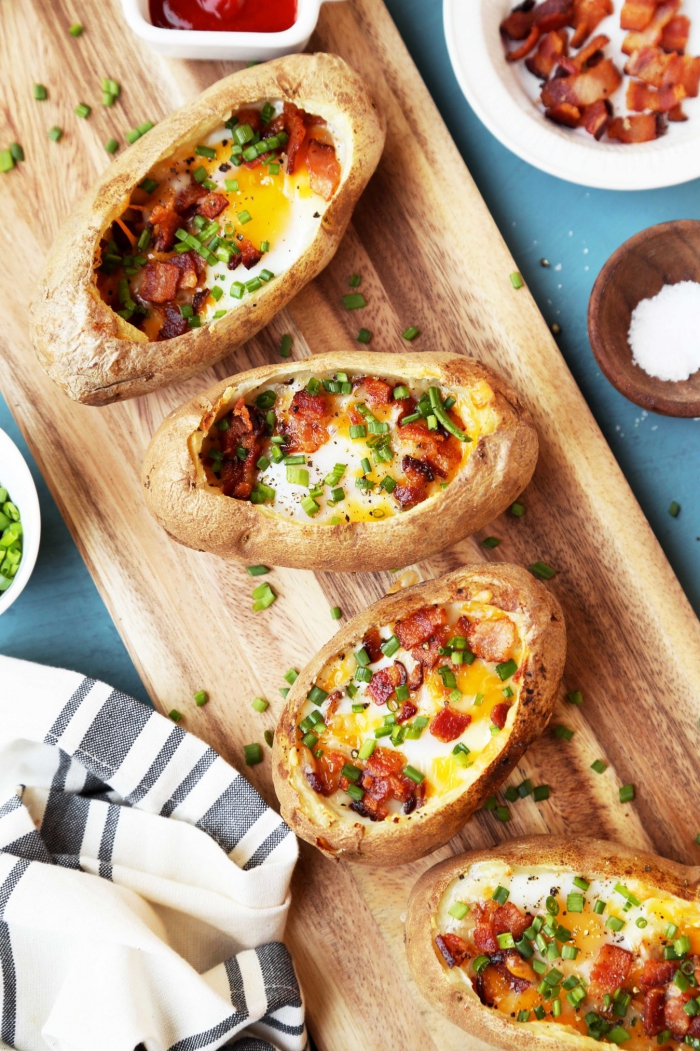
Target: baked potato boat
[(554, 943), (414, 713), (347, 461), (205, 228)]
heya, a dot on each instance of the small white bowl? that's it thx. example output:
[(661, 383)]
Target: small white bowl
[(16, 478), (503, 96), (196, 43)]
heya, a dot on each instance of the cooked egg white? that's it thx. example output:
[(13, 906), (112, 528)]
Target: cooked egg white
[(481, 690)]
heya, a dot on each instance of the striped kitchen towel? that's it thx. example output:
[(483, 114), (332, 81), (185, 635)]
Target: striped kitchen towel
[(144, 884)]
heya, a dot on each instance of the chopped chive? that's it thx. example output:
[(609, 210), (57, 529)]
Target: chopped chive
[(517, 509), (16, 152), (175, 715), (55, 133), (458, 911), (205, 151), (253, 754), (355, 281), (599, 766), (614, 923), (491, 541), (503, 813), (540, 793), (674, 509), (563, 732), (75, 30), (506, 669), (575, 697), (627, 793), (269, 738), (336, 612), (501, 894), (516, 280), (40, 92), (7, 162), (260, 705), (364, 336), (83, 110), (354, 301), (244, 216), (410, 333), (542, 570), (491, 804), (526, 788), (200, 698), (511, 794), (286, 346)]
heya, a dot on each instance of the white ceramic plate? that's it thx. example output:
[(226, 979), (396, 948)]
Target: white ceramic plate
[(503, 96), (16, 478)]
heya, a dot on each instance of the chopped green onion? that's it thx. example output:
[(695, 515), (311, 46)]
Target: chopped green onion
[(575, 902), (599, 766), (7, 162), (614, 923), (562, 732), (83, 110), (501, 894), (40, 92), (310, 506), (55, 133), (516, 280), (439, 411), (674, 509), (175, 715), (517, 509), (75, 30), (506, 669), (260, 705), (200, 698), (458, 911), (244, 216), (253, 754), (410, 333), (354, 301), (336, 612), (627, 793), (526, 788), (491, 541), (16, 152), (541, 793), (364, 336)]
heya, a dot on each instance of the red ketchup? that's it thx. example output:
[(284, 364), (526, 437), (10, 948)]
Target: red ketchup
[(237, 16)]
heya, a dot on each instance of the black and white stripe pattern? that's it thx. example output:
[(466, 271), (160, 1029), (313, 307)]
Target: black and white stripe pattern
[(119, 822)]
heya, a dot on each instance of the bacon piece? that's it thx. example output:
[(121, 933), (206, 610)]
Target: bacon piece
[(323, 773), (492, 639), (583, 58), (212, 205), (174, 324), (675, 35), (676, 114), (192, 269), (597, 117), (675, 1017), (428, 653), (415, 679), (248, 254), (453, 949), (189, 196), (520, 970), (246, 430), (165, 223), (641, 96), (519, 22), (250, 116), (569, 116), (587, 16), (657, 972), (334, 700), (324, 169), (420, 626), (694, 1027), (304, 425), (655, 67), (499, 715), (384, 682), (553, 14), (583, 89), (526, 47), (382, 778), (653, 1017), (372, 642), (407, 408), (369, 808), (643, 127), (483, 934), (611, 968), (295, 127), (384, 761), (651, 35), (442, 451), (406, 712), (377, 392), (637, 14), (199, 299), (158, 282), (509, 918), (497, 980), (449, 724), (549, 50)]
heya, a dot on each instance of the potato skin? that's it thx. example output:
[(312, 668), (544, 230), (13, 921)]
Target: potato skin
[(94, 355), (385, 843), (594, 857), (496, 472)]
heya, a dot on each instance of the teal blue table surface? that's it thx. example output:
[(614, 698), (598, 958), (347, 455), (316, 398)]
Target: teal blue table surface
[(60, 618)]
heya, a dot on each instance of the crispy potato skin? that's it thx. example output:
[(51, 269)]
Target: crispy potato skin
[(386, 843), (95, 356), (496, 472), (594, 857)]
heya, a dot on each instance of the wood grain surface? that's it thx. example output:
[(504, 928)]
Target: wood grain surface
[(431, 256)]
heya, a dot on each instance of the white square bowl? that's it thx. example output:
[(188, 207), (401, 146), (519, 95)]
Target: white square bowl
[(240, 47), (15, 476)]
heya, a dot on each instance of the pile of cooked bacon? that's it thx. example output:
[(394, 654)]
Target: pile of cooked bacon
[(578, 85)]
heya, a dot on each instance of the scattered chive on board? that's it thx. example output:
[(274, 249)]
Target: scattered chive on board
[(516, 280), (364, 336), (627, 794), (599, 766), (111, 145), (286, 346), (40, 93), (491, 541), (55, 133), (542, 570), (257, 571), (260, 704), (354, 301), (175, 715), (252, 754), (517, 510), (76, 29), (674, 509), (575, 697), (336, 613)]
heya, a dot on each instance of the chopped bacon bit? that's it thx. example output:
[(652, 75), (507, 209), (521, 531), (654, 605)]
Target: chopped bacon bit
[(553, 14), (637, 14), (384, 682), (694, 1027), (323, 773), (520, 970), (406, 712), (382, 778), (407, 408), (509, 917), (441, 451), (248, 254), (189, 196), (188, 264), (583, 89), (492, 639), (583, 58), (641, 96), (419, 626), (653, 1018), (333, 701), (166, 222), (453, 948), (549, 50), (526, 47), (484, 937), (587, 16), (174, 323), (384, 761), (675, 35), (657, 972), (158, 282), (497, 980), (655, 67), (324, 169), (676, 114), (372, 642), (639, 128), (212, 205), (199, 299), (249, 116), (295, 127), (410, 495), (304, 425), (449, 724), (611, 968), (675, 1017), (565, 114), (369, 808), (651, 35), (596, 118), (519, 22), (377, 392), (246, 430), (415, 679), (499, 715), (428, 653)]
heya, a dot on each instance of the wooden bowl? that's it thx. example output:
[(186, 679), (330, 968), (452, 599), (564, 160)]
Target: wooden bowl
[(661, 255)]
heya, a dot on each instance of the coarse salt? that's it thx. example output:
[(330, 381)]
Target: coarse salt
[(664, 332)]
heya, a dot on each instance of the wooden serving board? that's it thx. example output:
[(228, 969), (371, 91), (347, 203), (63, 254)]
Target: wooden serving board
[(431, 256)]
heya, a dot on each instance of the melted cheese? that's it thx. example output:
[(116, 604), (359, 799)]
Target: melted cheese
[(445, 774)]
